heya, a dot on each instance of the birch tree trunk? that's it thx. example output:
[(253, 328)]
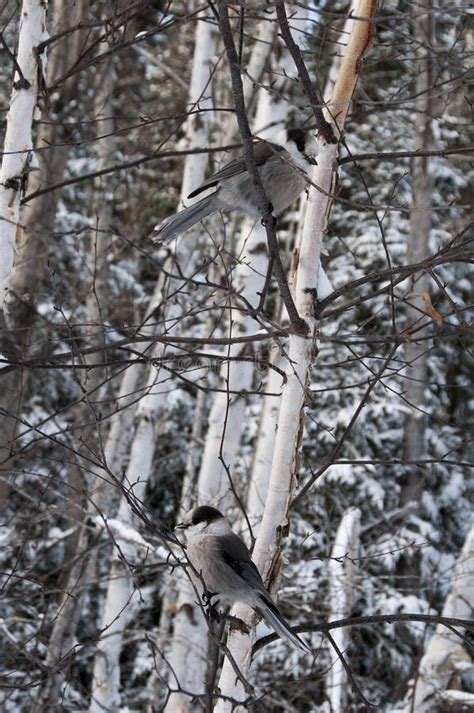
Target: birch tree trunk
[(18, 161), (19, 157), (227, 415), (120, 591), (262, 463), (341, 598), (79, 508), (445, 657), (37, 225), (339, 48), (414, 434), (221, 446), (283, 481)]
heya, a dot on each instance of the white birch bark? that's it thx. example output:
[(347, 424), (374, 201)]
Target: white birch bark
[(261, 51), (445, 657), (250, 277), (341, 44), (171, 580), (341, 598), (120, 592), (188, 652), (227, 416), (37, 221), (262, 462), (19, 158), (301, 349), (271, 405), (119, 437), (254, 71), (103, 494)]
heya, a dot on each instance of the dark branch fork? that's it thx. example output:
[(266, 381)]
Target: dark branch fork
[(298, 325)]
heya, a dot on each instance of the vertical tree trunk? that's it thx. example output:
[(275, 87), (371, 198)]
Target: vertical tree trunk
[(105, 688), (266, 554), (271, 114), (415, 381), (445, 657), (78, 510), (414, 434), (271, 405), (341, 600), (19, 157), (262, 463), (18, 161), (227, 415), (38, 220)]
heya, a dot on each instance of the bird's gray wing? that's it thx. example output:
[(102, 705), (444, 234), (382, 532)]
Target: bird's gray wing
[(262, 150), (236, 555)]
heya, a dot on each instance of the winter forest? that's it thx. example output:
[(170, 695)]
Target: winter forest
[(308, 372)]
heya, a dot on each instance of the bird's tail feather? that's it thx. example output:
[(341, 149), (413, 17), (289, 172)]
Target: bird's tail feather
[(178, 223), (274, 619)]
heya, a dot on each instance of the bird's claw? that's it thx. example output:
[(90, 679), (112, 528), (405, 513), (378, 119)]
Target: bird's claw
[(210, 605), (271, 220), (212, 613), (207, 596)]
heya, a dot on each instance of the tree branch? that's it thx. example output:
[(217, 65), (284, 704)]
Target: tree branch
[(323, 127), (298, 325)]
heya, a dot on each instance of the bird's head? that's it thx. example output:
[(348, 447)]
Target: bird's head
[(302, 147), (200, 518)]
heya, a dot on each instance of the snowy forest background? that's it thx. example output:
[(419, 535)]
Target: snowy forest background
[(138, 381)]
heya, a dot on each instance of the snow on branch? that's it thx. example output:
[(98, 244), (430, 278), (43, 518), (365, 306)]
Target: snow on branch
[(122, 532)]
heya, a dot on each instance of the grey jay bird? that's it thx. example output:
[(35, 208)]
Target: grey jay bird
[(283, 165), (225, 565)]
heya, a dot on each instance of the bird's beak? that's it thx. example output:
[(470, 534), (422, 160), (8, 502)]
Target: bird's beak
[(312, 160), (181, 526)]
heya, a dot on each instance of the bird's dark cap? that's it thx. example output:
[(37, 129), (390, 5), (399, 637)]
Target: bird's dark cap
[(205, 513)]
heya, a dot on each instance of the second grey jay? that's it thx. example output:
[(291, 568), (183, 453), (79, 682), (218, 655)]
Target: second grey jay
[(283, 165), (229, 575)]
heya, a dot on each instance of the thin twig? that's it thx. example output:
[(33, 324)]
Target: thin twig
[(22, 82), (368, 705), (322, 126), (298, 325)]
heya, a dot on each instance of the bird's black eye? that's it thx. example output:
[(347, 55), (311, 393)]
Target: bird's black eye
[(299, 138)]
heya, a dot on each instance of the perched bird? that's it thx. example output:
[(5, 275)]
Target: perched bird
[(283, 165), (225, 565)]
